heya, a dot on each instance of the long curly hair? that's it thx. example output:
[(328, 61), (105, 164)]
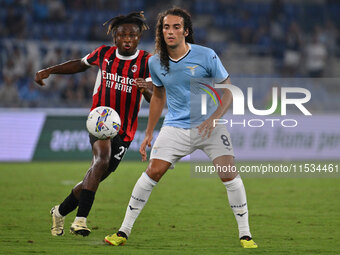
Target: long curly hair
[(160, 47)]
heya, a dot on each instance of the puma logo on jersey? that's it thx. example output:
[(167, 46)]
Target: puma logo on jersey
[(108, 61), (192, 69)]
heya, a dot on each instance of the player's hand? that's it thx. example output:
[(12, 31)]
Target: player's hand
[(142, 84), (146, 142), (206, 127), (40, 76)]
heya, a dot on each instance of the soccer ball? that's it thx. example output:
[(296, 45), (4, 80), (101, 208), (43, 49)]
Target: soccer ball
[(103, 122)]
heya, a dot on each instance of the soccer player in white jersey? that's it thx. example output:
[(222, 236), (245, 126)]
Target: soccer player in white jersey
[(171, 72)]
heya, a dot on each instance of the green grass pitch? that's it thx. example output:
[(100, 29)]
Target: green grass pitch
[(184, 215)]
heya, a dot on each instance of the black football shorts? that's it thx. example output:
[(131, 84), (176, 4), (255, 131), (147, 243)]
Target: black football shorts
[(118, 150)]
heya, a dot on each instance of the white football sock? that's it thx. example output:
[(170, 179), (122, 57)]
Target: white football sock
[(139, 197), (238, 203)]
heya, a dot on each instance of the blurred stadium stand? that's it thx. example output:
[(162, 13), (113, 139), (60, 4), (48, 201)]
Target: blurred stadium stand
[(253, 38)]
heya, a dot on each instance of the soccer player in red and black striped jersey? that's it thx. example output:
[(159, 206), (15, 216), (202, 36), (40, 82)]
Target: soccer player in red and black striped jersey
[(123, 78)]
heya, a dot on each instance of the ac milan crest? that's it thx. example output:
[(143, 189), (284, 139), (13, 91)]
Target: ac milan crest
[(134, 68)]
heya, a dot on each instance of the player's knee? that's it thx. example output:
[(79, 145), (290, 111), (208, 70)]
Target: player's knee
[(77, 189), (155, 172), (102, 162)]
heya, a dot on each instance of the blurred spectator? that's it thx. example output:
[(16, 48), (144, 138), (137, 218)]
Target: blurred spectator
[(329, 36), (276, 10), (292, 53), (51, 94), (14, 23), (53, 56), (246, 28), (69, 95), (98, 33), (272, 33), (57, 11), (15, 66), (278, 43), (40, 10), (262, 40), (29, 94), (76, 54), (9, 95), (316, 55), (86, 87)]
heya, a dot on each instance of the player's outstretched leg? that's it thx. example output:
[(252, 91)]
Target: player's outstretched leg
[(237, 199), (139, 197), (98, 171), (238, 203)]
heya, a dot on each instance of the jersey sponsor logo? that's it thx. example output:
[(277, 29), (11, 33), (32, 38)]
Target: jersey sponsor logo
[(164, 74), (192, 69), (118, 82)]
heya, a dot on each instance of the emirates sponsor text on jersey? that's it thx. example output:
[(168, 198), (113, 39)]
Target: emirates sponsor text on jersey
[(118, 82)]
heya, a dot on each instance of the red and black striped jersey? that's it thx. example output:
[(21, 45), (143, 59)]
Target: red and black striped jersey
[(115, 85)]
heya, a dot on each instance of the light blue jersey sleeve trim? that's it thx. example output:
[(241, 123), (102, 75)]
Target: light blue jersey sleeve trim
[(157, 85), (223, 79)]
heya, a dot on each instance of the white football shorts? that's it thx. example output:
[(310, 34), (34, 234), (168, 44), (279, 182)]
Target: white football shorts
[(174, 143)]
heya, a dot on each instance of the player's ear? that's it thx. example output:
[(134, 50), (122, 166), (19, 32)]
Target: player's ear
[(186, 32)]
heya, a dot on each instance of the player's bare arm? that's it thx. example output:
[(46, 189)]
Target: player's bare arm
[(69, 67), (206, 126), (145, 87), (157, 103)]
